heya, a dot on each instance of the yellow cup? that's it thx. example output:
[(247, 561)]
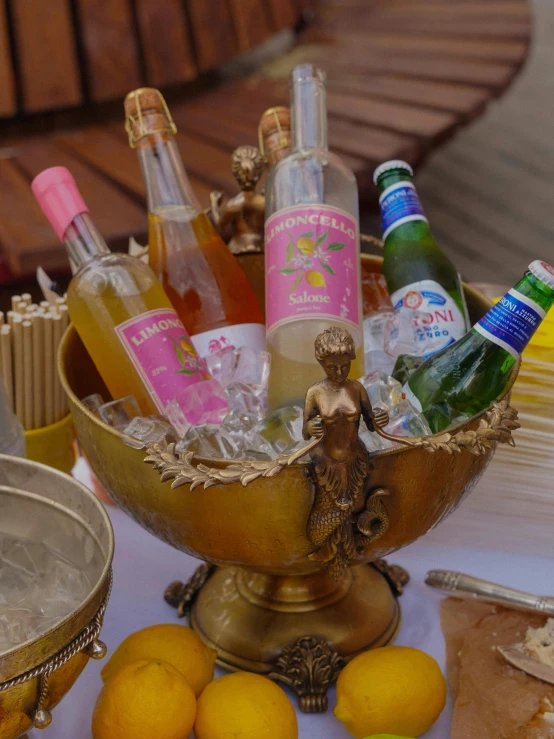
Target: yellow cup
[(53, 445)]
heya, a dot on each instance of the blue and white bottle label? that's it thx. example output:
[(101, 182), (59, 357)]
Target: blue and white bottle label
[(511, 322), (399, 204), (440, 322)]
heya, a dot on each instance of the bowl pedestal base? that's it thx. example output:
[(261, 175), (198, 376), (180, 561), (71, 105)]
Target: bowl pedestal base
[(299, 630)]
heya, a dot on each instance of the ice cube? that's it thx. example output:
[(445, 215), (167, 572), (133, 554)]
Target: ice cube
[(118, 413), (222, 365), (378, 360), (246, 400), (405, 332), (67, 581), (372, 441), (382, 389), (244, 374), (253, 367), (148, 430), (244, 365), (14, 584), (375, 293), (177, 418), (405, 366), (200, 403), (16, 556), (250, 445), (38, 587), (374, 332), (282, 430), (63, 586), (405, 420), (257, 447), (239, 423), (212, 441), (16, 626), (228, 440), (93, 403)]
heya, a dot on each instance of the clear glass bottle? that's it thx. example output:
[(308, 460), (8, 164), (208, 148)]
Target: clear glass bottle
[(203, 280), (119, 309), (468, 376), (419, 274), (312, 247)]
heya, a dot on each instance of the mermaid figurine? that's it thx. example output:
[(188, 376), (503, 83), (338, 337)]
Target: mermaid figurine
[(344, 517)]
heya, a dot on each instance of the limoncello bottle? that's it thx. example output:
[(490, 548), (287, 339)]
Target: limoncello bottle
[(203, 280), (119, 309), (468, 376), (419, 275), (312, 249)]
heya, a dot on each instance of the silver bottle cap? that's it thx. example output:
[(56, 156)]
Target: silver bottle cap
[(543, 272), (392, 164)]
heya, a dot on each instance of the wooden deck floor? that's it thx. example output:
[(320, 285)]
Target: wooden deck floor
[(403, 77), (489, 194)]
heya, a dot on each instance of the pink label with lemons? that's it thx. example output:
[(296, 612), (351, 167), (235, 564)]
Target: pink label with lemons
[(162, 354), (311, 265)]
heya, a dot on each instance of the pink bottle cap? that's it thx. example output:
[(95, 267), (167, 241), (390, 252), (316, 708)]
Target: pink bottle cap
[(57, 194)]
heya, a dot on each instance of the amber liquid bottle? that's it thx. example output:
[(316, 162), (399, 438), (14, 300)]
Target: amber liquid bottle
[(274, 135), (203, 280), (118, 307)]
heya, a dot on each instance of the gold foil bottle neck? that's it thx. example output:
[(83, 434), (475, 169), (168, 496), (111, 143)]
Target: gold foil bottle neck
[(274, 133), (146, 112)]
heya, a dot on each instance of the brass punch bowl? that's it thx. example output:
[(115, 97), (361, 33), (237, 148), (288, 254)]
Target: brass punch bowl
[(267, 593)]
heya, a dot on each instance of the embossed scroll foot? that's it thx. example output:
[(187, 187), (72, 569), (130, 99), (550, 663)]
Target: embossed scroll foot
[(396, 576), (309, 667), (181, 595)]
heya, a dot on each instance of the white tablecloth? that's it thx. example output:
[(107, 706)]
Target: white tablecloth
[(144, 566)]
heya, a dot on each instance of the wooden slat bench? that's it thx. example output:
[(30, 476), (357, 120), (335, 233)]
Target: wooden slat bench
[(403, 76)]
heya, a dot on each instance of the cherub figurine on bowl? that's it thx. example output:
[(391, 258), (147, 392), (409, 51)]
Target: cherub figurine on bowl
[(245, 212)]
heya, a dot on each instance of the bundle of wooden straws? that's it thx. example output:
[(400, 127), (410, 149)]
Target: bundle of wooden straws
[(29, 338)]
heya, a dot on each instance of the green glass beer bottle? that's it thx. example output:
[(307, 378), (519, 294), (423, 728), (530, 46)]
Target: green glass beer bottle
[(419, 275), (468, 376)]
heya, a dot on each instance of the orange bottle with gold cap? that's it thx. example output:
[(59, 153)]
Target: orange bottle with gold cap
[(274, 134), (203, 280)]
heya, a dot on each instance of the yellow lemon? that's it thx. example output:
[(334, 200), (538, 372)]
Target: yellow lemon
[(315, 278), (176, 644), (245, 706), (145, 699), (305, 246), (394, 690)]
